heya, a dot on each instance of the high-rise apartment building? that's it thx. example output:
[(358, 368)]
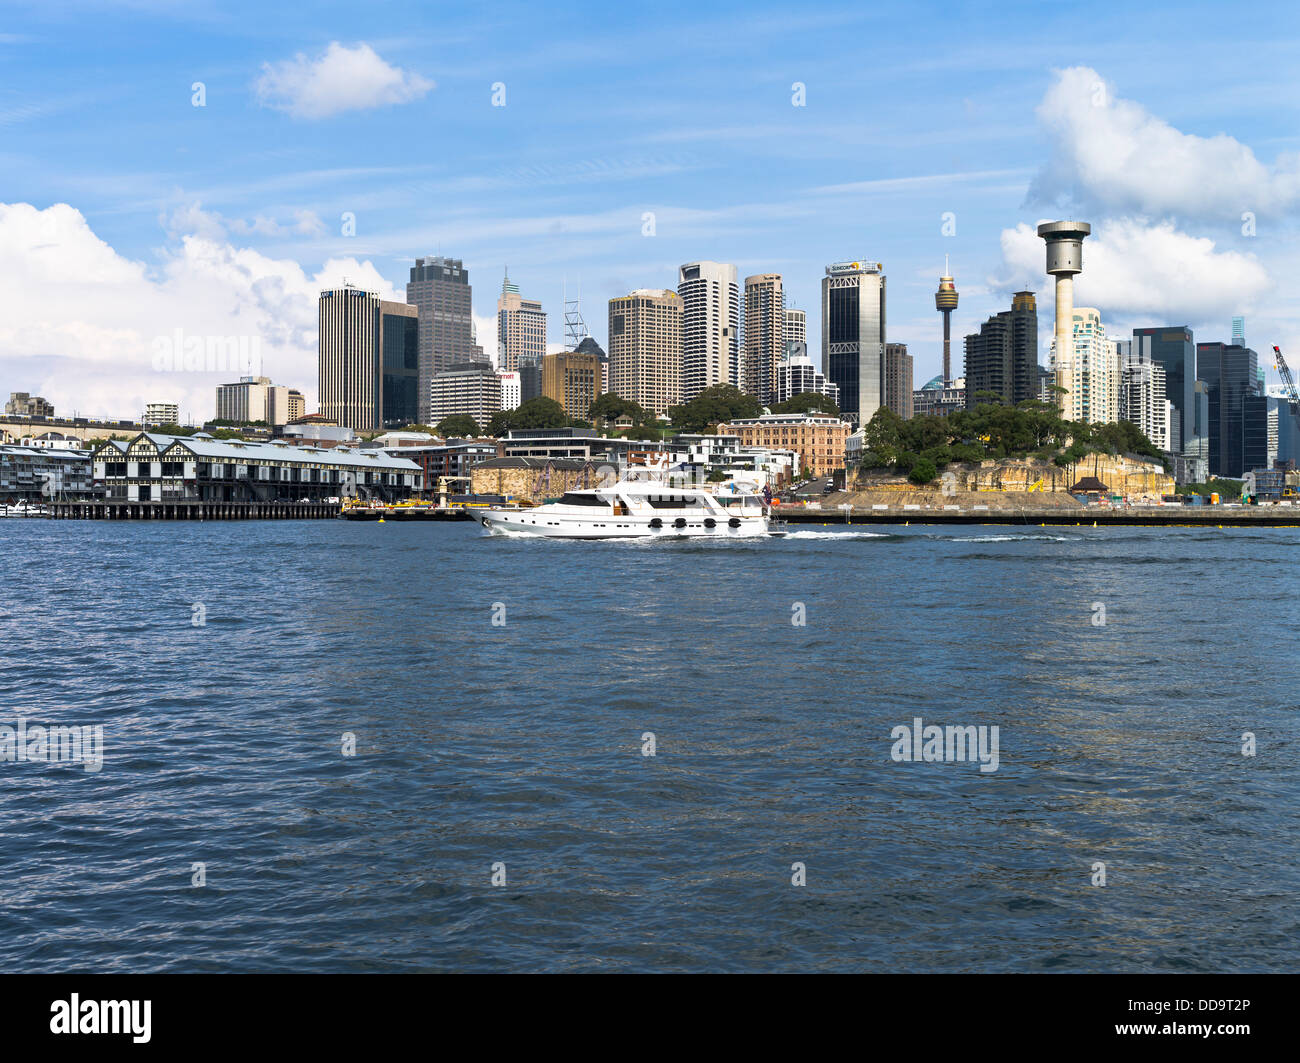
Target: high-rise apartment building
[(645, 348), (764, 340), (439, 288), (1143, 399), (252, 399), (573, 380), (710, 300), (853, 336), (521, 329), (161, 413), (1090, 372), (1173, 348), (368, 360), (1003, 356), (898, 380), (797, 375)]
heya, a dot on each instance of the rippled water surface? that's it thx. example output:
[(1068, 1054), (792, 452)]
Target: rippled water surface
[(520, 743)]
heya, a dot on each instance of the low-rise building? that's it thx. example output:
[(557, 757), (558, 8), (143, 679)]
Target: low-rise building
[(819, 440), (44, 474), (939, 399), (533, 479), (198, 468), (161, 413), (455, 458), (22, 404)]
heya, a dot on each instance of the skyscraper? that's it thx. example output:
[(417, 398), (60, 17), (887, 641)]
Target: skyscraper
[(573, 380), (645, 348), (853, 336), (1230, 375), (1003, 356), (521, 329), (1089, 371), (898, 380), (764, 335), (1173, 348), (440, 290), (368, 359), (710, 325)]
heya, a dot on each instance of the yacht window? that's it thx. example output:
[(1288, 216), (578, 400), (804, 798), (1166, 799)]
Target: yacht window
[(583, 500)]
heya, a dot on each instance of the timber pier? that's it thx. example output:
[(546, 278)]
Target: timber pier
[(122, 510)]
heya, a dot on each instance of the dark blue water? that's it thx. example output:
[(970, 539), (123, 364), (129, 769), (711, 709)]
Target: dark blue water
[(521, 744)]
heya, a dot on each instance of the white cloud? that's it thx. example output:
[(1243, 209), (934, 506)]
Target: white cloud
[(1112, 154), (341, 79), (78, 321), (1137, 269)]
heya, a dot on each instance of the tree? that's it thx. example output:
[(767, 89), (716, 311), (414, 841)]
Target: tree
[(539, 412), (808, 402), (923, 471), (458, 424), (610, 407), (712, 406)]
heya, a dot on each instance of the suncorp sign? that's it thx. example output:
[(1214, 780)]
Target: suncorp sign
[(851, 267)]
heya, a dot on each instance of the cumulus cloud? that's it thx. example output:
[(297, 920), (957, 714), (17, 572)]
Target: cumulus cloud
[(1112, 154), (341, 79), (1134, 268), (80, 323)]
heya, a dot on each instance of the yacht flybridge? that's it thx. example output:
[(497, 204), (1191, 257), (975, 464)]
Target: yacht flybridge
[(633, 509)]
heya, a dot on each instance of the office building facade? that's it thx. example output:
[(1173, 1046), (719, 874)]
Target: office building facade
[(645, 348), (440, 291), (573, 380), (1230, 374), (853, 336), (898, 380), (521, 329), (1173, 348), (471, 388), (368, 360)]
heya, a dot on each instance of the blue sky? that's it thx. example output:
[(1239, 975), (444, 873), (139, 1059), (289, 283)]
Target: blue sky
[(683, 110)]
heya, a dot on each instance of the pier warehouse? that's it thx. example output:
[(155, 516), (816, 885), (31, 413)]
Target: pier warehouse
[(199, 468)]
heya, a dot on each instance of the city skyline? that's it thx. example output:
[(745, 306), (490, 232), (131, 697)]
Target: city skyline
[(232, 218)]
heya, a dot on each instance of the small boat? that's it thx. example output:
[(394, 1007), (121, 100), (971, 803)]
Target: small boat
[(639, 509)]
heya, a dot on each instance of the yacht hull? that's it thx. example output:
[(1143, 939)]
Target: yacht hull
[(537, 523)]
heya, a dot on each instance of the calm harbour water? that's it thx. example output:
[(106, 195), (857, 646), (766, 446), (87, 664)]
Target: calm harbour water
[(521, 744)]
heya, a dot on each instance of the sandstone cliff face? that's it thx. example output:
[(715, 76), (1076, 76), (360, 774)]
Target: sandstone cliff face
[(1123, 476)]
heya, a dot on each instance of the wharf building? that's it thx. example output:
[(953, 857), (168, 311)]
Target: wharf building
[(710, 300), (440, 291), (818, 439), (1002, 357), (198, 468), (797, 375), (765, 336), (573, 380), (454, 458), (35, 474), (645, 348), (368, 360), (472, 388), (853, 336)]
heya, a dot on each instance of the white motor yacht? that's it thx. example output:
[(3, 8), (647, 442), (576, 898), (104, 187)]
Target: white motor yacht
[(631, 509)]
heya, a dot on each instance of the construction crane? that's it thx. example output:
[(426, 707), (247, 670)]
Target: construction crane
[(1291, 394)]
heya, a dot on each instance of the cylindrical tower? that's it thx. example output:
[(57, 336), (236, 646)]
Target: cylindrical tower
[(945, 301), (1064, 259)]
